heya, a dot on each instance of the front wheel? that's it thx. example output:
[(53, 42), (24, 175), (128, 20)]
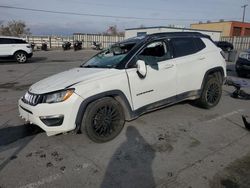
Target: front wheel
[(211, 93), (21, 57), (103, 120)]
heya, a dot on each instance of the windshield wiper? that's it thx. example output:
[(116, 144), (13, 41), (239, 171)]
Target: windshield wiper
[(96, 66)]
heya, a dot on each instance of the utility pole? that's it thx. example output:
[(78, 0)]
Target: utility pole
[(244, 12)]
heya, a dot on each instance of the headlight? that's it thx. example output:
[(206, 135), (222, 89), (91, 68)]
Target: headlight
[(244, 55), (58, 96)]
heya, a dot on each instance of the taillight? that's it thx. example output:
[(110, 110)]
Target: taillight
[(28, 46)]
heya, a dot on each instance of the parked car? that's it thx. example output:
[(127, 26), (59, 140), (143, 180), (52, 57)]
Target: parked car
[(15, 48), (242, 65), (125, 81), (225, 46)]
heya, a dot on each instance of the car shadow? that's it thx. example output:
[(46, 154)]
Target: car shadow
[(12, 134), (37, 59), (131, 164), (9, 135), (11, 61)]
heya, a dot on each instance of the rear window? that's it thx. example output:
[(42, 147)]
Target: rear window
[(200, 45), (186, 46)]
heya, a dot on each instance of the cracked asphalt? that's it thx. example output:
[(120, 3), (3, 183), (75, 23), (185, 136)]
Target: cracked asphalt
[(178, 146)]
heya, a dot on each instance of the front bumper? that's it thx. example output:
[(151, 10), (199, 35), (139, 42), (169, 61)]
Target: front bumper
[(67, 109), (30, 55)]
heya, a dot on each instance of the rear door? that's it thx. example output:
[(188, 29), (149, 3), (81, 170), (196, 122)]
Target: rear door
[(190, 61), (160, 80)]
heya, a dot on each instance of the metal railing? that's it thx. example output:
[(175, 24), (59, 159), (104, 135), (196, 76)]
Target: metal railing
[(239, 43), (87, 40)]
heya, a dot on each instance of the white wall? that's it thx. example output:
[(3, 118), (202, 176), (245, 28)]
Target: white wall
[(133, 32)]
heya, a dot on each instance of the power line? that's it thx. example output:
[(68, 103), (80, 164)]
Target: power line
[(137, 8), (97, 15)]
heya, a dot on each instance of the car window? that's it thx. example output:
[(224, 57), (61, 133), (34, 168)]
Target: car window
[(6, 41), (110, 57), (183, 46), (19, 41), (12, 41), (155, 52), (200, 45)]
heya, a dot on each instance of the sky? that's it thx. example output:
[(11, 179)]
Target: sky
[(156, 13)]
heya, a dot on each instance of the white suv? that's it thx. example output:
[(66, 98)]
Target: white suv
[(128, 79), (15, 47)]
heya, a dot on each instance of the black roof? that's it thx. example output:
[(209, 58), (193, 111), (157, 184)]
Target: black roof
[(167, 27), (177, 34), (163, 35)]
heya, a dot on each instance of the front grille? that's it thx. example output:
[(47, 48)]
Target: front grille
[(32, 99)]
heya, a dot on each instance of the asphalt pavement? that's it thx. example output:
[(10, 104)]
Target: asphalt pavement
[(178, 146)]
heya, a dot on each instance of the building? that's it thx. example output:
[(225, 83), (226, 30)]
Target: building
[(227, 28), (133, 32)]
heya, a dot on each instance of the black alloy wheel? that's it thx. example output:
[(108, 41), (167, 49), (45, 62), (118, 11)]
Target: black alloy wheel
[(103, 120), (211, 93)]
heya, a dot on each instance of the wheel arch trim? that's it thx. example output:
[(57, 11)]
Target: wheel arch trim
[(116, 94), (19, 51), (215, 71)]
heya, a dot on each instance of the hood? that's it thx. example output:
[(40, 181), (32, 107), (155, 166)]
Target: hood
[(68, 78)]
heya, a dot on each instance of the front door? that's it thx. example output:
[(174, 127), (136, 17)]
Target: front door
[(160, 80)]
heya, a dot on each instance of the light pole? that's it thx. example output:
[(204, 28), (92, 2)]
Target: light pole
[(244, 12)]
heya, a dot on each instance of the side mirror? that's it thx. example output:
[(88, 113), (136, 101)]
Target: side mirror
[(141, 68)]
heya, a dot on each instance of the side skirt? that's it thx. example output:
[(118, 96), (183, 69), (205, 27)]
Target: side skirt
[(190, 95), (131, 115)]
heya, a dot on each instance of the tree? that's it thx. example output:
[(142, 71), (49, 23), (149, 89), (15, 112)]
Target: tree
[(14, 28), (112, 30)]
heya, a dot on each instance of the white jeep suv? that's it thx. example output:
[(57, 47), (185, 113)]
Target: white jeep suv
[(15, 47), (126, 80)]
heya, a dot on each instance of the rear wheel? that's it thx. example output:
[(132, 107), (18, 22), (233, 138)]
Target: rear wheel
[(211, 93), (103, 120), (21, 57)]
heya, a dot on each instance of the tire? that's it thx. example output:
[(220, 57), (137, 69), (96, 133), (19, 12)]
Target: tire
[(103, 120), (211, 93), (21, 57)]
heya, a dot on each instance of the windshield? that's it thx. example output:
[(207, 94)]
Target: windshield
[(110, 57)]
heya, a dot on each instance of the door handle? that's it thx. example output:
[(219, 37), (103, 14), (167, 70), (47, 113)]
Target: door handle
[(168, 66)]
